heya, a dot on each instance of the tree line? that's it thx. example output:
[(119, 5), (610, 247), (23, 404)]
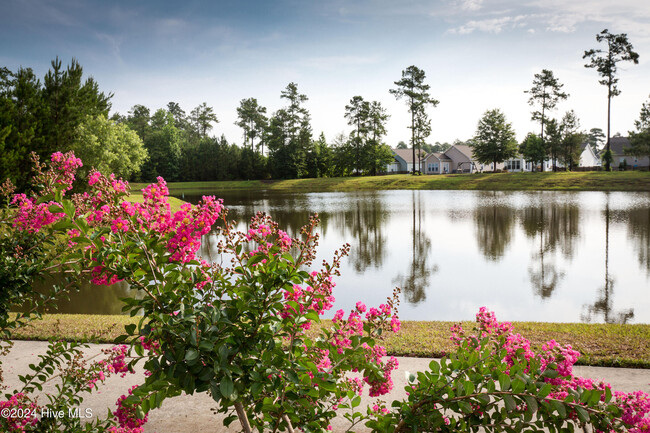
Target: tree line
[(63, 112), (561, 140), (66, 112)]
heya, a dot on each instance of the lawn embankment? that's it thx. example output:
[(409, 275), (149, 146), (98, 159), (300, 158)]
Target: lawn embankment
[(599, 344), (136, 196), (571, 181)]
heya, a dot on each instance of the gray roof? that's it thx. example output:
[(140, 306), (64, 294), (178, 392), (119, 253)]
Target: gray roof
[(619, 145)]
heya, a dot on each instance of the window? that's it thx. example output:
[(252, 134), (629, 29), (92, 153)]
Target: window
[(513, 164), (432, 167)]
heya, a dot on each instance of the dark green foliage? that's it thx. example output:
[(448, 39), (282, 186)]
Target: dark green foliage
[(289, 136), (532, 149), (553, 141), (253, 120), (43, 117), (571, 140), (640, 138), (163, 147), (495, 139)]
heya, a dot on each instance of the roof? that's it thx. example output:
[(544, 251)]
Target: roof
[(440, 156), (618, 145), (465, 150), (407, 154)]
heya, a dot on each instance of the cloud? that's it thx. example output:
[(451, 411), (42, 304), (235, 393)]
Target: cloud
[(490, 25), (470, 5)]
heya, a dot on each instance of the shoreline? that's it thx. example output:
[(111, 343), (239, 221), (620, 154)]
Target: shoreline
[(604, 345)]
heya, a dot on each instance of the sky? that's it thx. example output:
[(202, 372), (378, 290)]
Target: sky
[(477, 55)]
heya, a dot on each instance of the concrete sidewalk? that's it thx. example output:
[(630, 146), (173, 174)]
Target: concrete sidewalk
[(189, 414)]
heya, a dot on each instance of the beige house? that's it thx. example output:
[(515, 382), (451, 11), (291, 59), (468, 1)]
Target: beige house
[(437, 163), (459, 158)]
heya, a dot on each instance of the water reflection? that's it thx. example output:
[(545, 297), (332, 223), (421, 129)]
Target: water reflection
[(551, 224), (638, 233), (494, 221), (415, 282), (364, 224), (544, 256), (604, 303)]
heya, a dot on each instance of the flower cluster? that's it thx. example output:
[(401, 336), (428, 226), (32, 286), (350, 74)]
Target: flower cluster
[(24, 409), (32, 216), (65, 165), (126, 415), (635, 406)]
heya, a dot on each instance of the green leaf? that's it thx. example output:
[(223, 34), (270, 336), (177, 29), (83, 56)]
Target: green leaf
[(559, 407), (510, 403), (544, 390), (191, 355), (518, 386), (531, 403), (504, 382), (469, 387), (227, 387), (583, 415)]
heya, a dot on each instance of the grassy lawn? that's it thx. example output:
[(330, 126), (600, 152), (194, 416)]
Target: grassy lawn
[(136, 196), (575, 181), (602, 345)]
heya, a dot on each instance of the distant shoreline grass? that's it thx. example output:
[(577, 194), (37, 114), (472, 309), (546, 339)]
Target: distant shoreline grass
[(561, 181), (600, 344)]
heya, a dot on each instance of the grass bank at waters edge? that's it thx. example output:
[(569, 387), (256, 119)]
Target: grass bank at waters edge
[(599, 344), (572, 181), (136, 196)]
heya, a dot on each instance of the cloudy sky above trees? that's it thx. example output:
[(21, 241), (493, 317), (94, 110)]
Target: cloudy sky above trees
[(477, 54)]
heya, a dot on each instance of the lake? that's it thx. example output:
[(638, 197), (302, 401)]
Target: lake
[(537, 256)]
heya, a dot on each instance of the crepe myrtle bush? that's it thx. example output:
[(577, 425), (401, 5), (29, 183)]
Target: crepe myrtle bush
[(495, 382), (236, 330)]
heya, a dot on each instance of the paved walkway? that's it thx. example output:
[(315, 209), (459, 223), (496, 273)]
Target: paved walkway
[(189, 414)]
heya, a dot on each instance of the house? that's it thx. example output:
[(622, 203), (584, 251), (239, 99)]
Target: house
[(620, 157), (437, 163), (588, 157), (403, 161), (520, 164)]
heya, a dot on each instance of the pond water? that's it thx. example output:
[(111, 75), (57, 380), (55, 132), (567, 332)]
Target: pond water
[(536, 256)]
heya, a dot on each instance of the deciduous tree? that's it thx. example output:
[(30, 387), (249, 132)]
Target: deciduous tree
[(533, 150), (494, 141), (108, 147)]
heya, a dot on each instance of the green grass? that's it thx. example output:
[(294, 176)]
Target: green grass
[(572, 181), (136, 196), (599, 344)]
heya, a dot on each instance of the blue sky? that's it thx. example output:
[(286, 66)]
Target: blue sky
[(477, 54)]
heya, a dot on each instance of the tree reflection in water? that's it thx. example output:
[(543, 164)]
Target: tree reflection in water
[(366, 223), (639, 233), (416, 281), (604, 304), (494, 219), (557, 224)]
